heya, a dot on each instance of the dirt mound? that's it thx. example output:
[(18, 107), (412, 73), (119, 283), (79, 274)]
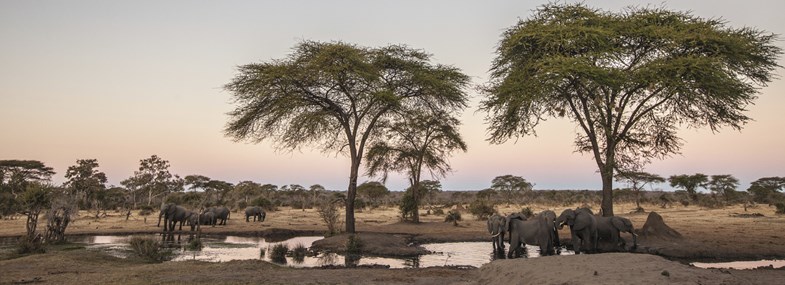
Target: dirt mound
[(655, 227), (607, 268), (378, 244)]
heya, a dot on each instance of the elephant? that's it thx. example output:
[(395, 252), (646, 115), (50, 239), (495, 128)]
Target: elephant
[(221, 213), (534, 231), (609, 229), (255, 211), (583, 228), (173, 214), (193, 220), (550, 218), (207, 218), (497, 227)]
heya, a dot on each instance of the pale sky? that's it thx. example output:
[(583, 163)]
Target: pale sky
[(119, 81)]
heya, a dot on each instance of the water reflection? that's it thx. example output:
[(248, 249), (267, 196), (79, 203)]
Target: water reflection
[(741, 264)]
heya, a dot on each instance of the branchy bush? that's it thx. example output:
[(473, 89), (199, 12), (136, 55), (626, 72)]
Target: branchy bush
[(150, 249)]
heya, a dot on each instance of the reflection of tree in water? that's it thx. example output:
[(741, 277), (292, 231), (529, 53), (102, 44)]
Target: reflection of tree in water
[(413, 262), (352, 260), (327, 259)]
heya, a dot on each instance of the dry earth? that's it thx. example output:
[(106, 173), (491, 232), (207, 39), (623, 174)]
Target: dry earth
[(709, 235)]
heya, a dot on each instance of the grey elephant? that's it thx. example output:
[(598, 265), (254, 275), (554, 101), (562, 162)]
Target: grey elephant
[(221, 213), (550, 219), (497, 227), (534, 231), (609, 229), (173, 214), (256, 212), (583, 228), (193, 220), (207, 218)]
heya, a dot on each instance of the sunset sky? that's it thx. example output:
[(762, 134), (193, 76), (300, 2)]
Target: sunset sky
[(119, 81)]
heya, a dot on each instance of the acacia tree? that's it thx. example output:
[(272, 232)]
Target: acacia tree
[(765, 190), (416, 141), (724, 185), (245, 189), (154, 178), (638, 180), (690, 183), (510, 185), (629, 80), (373, 191), (210, 187), (15, 176), (333, 95), (86, 182)]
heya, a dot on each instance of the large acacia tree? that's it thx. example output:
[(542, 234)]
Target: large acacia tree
[(628, 79), (86, 183), (415, 142), (333, 95)]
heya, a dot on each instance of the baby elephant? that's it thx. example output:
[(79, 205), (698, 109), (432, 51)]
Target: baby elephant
[(256, 212)]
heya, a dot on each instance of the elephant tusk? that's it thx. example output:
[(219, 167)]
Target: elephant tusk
[(493, 236), (634, 234)]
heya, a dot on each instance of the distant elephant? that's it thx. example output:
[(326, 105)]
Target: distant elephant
[(256, 212), (497, 227), (583, 228), (173, 214), (207, 218), (609, 229), (534, 231), (193, 220), (221, 214)]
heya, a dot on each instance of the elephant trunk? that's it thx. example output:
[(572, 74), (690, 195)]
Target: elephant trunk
[(159, 218)]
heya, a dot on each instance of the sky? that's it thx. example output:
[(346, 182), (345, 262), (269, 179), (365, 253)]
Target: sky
[(119, 81)]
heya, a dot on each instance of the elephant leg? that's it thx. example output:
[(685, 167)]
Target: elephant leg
[(576, 243)]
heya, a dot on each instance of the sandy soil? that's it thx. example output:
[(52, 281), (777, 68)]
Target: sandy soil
[(709, 235)]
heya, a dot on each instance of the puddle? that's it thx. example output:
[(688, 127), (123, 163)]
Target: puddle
[(741, 264)]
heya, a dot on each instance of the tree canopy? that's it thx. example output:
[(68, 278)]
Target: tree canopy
[(510, 185), (690, 183), (628, 79), (86, 182), (414, 142), (334, 95)]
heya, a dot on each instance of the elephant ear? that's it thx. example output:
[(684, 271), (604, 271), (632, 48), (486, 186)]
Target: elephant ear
[(621, 224)]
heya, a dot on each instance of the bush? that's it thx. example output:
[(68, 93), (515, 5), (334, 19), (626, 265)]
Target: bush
[(194, 245), (278, 254), (354, 245), (264, 203), (481, 209), (526, 212), (149, 249), (780, 207), (407, 206), (329, 213), (298, 253), (438, 211), (28, 246)]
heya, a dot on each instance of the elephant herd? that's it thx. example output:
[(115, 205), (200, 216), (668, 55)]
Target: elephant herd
[(586, 229), (173, 214)]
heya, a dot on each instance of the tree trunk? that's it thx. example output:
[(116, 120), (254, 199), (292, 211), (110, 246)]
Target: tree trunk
[(416, 195), (607, 192), (351, 193)]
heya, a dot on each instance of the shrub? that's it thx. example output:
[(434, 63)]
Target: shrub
[(481, 209), (354, 245), (438, 211), (194, 244), (264, 203), (28, 246), (780, 207), (407, 206), (149, 249), (262, 252), (298, 253), (526, 212), (329, 213), (278, 254)]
